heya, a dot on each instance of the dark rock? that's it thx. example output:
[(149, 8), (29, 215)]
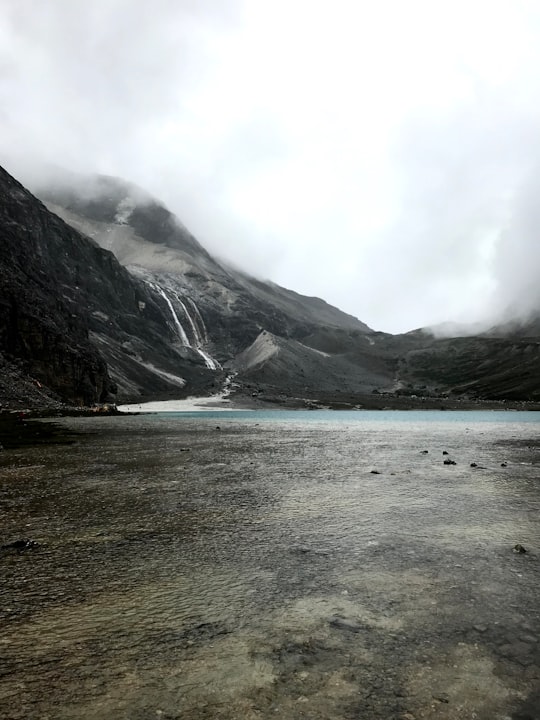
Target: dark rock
[(444, 452), (503, 464), (449, 462), (474, 465), (424, 452), (519, 549), (22, 544), (375, 472)]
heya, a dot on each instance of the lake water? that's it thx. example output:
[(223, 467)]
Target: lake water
[(274, 565)]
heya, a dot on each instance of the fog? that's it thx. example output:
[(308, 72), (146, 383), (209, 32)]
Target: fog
[(384, 156)]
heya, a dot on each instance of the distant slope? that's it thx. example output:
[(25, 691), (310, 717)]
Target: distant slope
[(287, 366), (491, 368)]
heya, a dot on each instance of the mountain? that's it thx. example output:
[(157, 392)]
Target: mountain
[(108, 297), (156, 318), (232, 308), (73, 319)]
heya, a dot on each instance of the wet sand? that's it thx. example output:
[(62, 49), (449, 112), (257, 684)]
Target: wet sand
[(271, 570)]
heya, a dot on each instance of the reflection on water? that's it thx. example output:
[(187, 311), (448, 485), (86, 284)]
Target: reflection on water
[(315, 569)]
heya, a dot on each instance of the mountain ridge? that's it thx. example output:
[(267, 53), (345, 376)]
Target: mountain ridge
[(144, 312)]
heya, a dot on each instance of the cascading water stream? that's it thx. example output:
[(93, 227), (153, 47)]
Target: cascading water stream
[(198, 318), (210, 363), (177, 323), (194, 328)]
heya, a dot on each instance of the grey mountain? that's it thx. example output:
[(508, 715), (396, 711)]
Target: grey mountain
[(109, 297)]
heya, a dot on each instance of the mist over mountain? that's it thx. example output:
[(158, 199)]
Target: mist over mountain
[(110, 298), (395, 174)]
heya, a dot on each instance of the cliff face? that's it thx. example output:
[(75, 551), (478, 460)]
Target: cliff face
[(73, 318), (42, 262)]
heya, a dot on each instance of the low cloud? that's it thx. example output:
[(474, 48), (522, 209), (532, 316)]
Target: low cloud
[(383, 156)]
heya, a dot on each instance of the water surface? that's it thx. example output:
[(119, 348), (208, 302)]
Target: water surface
[(306, 564)]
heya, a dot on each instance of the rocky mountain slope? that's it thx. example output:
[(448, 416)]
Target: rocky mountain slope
[(233, 308), (73, 319), (109, 297), (76, 322)]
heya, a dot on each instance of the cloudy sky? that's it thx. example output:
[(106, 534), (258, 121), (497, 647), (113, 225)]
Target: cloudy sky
[(383, 155)]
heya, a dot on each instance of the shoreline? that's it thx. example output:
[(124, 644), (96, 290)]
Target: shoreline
[(239, 401), (18, 428), (236, 397)]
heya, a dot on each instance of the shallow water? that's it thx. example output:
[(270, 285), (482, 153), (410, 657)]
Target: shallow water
[(265, 570)]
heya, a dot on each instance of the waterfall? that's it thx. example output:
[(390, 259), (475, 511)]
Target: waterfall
[(198, 338), (211, 364), (198, 318), (194, 328), (181, 332)]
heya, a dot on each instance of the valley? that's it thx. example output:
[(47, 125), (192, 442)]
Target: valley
[(107, 298)]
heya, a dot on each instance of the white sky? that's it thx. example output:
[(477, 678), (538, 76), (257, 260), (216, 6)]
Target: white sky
[(383, 155)]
